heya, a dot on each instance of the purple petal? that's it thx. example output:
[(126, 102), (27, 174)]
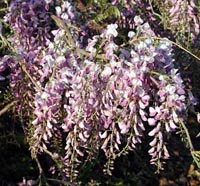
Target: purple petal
[(45, 136), (79, 152), (153, 143), (175, 116), (145, 98), (166, 153), (118, 138), (181, 91), (155, 130), (151, 121), (103, 147), (151, 150), (198, 117), (167, 127), (142, 105), (2, 78), (82, 137), (152, 111), (104, 135), (159, 146), (172, 124)]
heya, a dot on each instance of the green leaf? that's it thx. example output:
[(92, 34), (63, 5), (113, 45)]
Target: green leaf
[(109, 12), (196, 157)]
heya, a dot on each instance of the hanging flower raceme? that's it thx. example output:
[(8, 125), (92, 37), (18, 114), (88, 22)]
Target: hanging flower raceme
[(182, 18), (108, 101)]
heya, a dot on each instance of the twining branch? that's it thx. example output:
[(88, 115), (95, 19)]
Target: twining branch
[(27, 73), (131, 42), (71, 41), (62, 25), (188, 137), (61, 182), (3, 9), (6, 108), (41, 173), (156, 14)]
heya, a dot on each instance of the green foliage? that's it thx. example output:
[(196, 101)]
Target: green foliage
[(110, 11), (196, 157)]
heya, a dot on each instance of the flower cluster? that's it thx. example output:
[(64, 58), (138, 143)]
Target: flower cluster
[(100, 96), (31, 23), (107, 100), (181, 17)]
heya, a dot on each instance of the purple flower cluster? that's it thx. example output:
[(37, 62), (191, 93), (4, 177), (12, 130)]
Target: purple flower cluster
[(103, 96), (182, 17), (30, 19), (107, 100), (30, 22)]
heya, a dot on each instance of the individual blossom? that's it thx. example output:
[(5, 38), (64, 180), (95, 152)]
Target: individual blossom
[(110, 31)]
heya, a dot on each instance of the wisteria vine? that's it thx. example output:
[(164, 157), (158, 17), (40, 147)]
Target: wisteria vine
[(85, 92)]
